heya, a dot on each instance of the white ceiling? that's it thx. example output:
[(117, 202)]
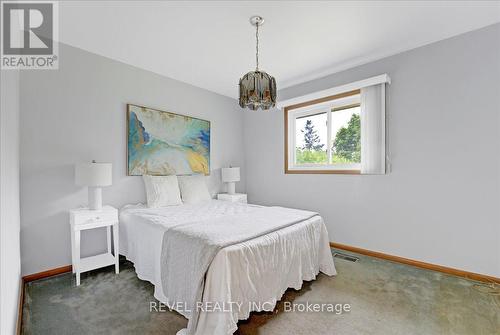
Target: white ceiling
[(210, 44)]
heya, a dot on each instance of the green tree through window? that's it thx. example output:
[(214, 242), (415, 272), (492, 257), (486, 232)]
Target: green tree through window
[(312, 151), (347, 143), (311, 137)]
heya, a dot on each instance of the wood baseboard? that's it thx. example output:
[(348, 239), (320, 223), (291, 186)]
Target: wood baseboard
[(19, 324), (48, 273), (419, 264)]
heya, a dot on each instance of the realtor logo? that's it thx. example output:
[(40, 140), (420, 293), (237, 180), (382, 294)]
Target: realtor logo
[(29, 35)]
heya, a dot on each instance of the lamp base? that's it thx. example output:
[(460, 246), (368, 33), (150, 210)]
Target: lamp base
[(231, 186), (95, 198)]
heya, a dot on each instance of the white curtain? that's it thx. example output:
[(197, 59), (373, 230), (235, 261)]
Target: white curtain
[(373, 129)]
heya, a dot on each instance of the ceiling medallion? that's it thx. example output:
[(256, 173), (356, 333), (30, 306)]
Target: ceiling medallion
[(257, 88)]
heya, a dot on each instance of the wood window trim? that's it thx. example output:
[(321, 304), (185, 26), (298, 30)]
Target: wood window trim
[(338, 109), (305, 104)]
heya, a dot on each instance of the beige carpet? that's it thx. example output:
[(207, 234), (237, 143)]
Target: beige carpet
[(384, 298)]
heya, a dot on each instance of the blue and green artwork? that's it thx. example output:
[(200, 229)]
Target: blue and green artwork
[(164, 143)]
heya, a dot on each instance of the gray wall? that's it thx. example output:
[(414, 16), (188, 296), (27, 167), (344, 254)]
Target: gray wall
[(440, 202), (10, 257), (77, 114)]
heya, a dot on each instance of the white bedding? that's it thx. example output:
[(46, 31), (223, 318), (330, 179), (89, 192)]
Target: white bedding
[(251, 275)]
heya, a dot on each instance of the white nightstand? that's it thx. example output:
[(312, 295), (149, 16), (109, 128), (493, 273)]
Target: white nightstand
[(237, 197), (83, 219)]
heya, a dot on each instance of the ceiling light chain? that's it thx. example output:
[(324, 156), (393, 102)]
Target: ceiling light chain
[(257, 46)]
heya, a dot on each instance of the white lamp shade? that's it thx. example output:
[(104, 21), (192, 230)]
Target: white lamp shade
[(230, 174), (93, 174)]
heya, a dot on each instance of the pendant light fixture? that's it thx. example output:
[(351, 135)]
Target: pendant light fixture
[(257, 88)]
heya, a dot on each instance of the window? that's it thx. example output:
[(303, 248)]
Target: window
[(337, 130), (325, 136)]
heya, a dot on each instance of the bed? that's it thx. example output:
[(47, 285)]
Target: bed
[(250, 275)]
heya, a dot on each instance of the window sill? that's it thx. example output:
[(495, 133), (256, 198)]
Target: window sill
[(287, 171)]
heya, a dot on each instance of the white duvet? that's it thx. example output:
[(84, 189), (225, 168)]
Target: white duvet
[(242, 277)]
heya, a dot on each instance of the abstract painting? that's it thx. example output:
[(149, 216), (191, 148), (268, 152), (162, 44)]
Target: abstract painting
[(164, 143)]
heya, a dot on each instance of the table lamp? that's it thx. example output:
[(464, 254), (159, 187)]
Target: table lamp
[(94, 176), (230, 175)]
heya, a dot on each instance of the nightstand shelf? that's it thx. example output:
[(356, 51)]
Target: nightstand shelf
[(84, 219), (96, 262)]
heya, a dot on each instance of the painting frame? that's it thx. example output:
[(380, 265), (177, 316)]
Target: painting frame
[(130, 106)]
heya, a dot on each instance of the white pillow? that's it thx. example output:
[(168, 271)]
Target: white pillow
[(162, 191), (194, 189)]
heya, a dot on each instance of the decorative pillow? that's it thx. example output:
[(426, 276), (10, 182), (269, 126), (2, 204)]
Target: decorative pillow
[(162, 191), (194, 189)]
